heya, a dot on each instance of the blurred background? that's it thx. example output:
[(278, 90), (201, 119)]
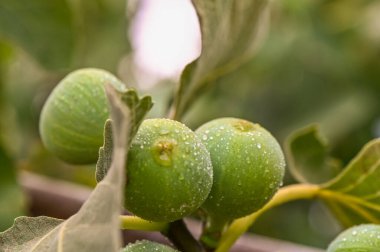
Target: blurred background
[(319, 63)]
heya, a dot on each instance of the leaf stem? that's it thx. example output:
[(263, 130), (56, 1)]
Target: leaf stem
[(341, 197), (136, 223), (284, 195)]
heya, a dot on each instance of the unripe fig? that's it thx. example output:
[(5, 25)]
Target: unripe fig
[(72, 119), (248, 166), (363, 238), (147, 246), (169, 172)]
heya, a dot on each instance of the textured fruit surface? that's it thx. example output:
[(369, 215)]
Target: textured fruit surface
[(363, 238), (147, 246), (72, 119), (248, 166), (169, 172)]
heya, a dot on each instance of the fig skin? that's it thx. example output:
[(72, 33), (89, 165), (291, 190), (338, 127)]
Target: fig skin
[(169, 172), (147, 246), (248, 166), (362, 238), (72, 119)]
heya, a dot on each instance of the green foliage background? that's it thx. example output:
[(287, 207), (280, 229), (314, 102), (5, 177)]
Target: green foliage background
[(319, 63)]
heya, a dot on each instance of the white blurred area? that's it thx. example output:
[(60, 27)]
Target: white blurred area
[(165, 37)]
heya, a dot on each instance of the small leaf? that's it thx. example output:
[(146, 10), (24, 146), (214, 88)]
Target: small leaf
[(308, 157), (138, 109), (43, 28), (354, 195), (231, 32), (105, 153), (96, 227)]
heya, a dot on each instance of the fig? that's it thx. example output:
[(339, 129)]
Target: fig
[(248, 166), (169, 172), (362, 238), (73, 116), (147, 246)]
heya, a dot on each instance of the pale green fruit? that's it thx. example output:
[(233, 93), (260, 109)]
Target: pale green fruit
[(363, 238), (169, 173), (248, 167), (147, 246), (73, 117)]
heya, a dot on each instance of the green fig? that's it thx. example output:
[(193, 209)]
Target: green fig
[(169, 172), (248, 166), (147, 246), (73, 117), (362, 238)]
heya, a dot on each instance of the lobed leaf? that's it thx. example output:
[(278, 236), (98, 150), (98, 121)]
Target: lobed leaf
[(308, 157), (43, 28), (231, 32), (96, 226)]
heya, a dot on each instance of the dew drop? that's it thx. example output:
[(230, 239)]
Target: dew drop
[(164, 131)]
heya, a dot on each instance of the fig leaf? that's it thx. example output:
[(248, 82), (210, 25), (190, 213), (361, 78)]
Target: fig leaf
[(354, 195)]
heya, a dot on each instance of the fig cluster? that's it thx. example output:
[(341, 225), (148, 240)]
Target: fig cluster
[(228, 167)]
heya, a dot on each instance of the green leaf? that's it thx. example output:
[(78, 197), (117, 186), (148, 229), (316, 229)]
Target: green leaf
[(138, 109), (354, 195), (43, 28), (308, 157), (360, 177), (12, 200), (96, 227), (231, 32)]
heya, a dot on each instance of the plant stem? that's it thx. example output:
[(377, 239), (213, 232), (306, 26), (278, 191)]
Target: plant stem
[(284, 195), (136, 223), (181, 237), (212, 231)]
